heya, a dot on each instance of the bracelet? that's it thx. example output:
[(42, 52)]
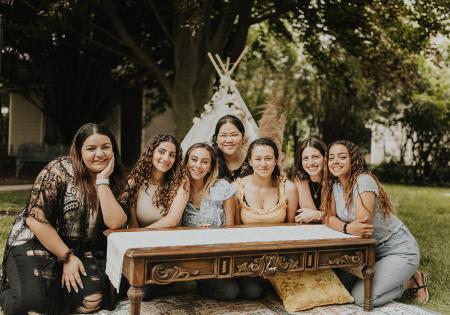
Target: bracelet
[(345, 227), (321, 215), (65, 258), (102, 181)]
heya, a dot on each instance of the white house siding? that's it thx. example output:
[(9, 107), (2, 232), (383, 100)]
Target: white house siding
[(387, 143), (26, 123)]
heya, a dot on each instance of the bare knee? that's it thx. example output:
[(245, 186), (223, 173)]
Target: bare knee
[(90, 304)]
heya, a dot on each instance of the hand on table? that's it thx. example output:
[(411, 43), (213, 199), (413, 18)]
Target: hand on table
[(306, 215), (359, 228)]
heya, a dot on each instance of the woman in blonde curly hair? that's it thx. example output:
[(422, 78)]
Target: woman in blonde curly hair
[(158, 187), (355, 203)]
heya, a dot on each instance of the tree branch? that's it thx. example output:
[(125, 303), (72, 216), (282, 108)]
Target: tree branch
[(161, 22), (136, 49), (218, 40)]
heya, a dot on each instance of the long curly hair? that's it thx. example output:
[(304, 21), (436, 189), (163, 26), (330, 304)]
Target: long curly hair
[(316, 143), (248, 170), (82, 178), (358, 166), (224, 172), (142, 174), (213, 173)]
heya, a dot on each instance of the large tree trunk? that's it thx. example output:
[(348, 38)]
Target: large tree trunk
[(194, 75), (131, 122)]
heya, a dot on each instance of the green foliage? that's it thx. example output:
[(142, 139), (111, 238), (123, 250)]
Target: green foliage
[(425, 115), (399, 172), (53, 59)]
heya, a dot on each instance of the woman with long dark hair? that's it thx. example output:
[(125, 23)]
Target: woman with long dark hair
[(310, 161), (356, 203), (55, 255), (159, 189), (263, 197), (228, 144)]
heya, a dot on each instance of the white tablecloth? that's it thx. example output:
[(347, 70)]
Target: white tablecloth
[(119, 243)]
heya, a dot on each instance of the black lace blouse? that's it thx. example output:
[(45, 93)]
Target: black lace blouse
[(55, 200)]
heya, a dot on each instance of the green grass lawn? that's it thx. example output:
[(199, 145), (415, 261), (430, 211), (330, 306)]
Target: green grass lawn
[(426, 211), (13, 200)]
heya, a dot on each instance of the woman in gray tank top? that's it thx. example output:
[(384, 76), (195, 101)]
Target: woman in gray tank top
[(355, 203)]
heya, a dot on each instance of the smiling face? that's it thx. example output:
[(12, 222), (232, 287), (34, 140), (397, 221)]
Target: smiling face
[(339, 162), (312, 162), (164, 157), (263, 160), (229, 139), (199, 163), (96, 152)]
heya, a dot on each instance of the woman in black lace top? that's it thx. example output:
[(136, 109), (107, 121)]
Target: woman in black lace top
[(55, 255)]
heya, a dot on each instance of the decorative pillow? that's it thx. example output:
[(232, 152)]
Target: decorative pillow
[(303, 290)]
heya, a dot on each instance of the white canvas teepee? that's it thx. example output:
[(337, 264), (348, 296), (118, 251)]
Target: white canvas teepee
[(226, 101)]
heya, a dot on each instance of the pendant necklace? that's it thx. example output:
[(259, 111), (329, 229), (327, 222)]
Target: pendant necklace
[(315, 190)]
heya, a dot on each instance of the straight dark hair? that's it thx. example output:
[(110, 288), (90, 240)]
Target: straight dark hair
[(248, 170), (312, 142), (224, 172), (82, 178)]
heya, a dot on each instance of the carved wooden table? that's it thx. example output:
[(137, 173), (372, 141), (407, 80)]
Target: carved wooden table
[(166, 264)]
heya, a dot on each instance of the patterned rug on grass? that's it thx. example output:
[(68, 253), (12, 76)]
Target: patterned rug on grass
[(191, 304)]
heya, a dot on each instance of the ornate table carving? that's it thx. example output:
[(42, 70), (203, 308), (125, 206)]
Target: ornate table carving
[(162, 265), (163, 274)]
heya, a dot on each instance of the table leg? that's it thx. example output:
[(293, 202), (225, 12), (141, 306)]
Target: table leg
[(369, 272), (135, 296)]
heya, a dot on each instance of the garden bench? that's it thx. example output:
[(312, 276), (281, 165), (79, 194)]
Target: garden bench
[(35, 152)]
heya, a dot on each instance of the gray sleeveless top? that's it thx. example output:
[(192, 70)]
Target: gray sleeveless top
[(211, 210), (383, 228)]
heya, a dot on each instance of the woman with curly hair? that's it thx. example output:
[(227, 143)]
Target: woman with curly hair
[(55, 256), (263, 197), (310, 160), (355, 203), (158, 186)]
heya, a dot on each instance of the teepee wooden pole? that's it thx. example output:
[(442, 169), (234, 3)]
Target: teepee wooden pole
[(214, 64), (225, 70), (244, 51)]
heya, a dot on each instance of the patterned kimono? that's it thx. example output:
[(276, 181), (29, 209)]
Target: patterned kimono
[(56, 201)]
